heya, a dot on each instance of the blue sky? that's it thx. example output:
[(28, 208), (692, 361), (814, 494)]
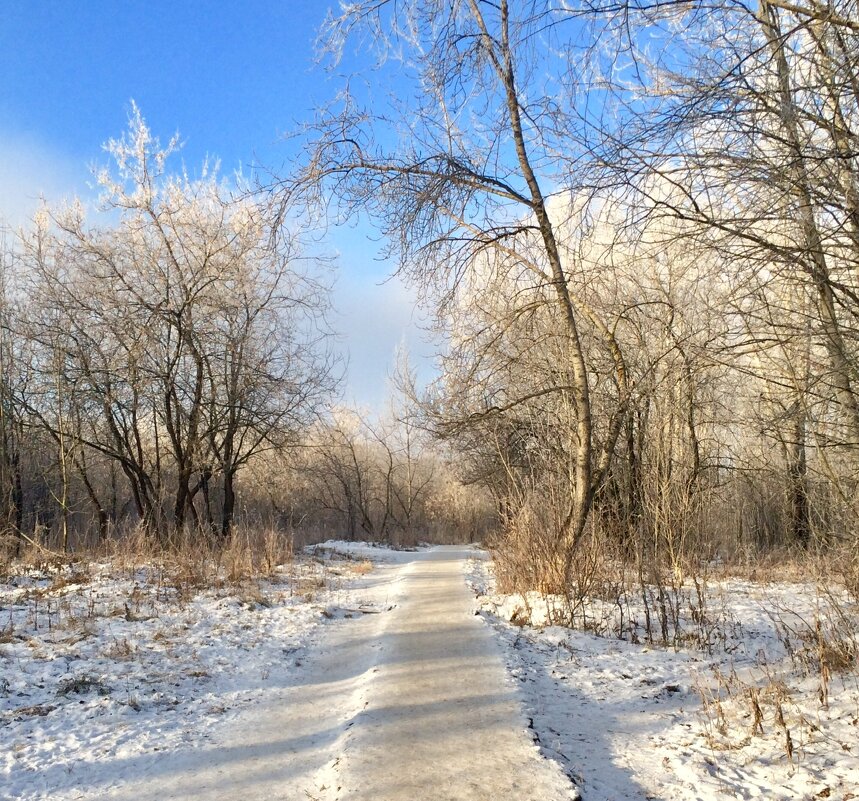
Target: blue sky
[(231, 78)]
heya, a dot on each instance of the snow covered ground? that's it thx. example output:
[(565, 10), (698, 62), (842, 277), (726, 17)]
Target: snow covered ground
[(771, 713), (239, 693), (137, 683), (100, 666)]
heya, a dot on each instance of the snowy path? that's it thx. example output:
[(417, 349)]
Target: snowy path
[(439, 717), (409, 701)]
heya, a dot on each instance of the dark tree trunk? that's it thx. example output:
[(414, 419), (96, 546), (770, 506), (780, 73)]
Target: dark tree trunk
[(228, 508)]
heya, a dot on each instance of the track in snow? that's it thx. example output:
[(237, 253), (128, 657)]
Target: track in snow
[(412, 702)]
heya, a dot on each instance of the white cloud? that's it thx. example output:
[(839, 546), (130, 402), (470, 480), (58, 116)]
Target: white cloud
[(374, 320), (30, 170)]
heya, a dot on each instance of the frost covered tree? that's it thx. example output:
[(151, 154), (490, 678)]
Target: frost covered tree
[(627, 217), (184, 330), (466, 172)]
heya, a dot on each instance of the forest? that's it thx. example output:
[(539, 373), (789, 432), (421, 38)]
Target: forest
[(605, 547), (636, 226)]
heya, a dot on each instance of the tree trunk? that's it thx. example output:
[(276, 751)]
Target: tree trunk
[(228, 508), (798, 483), (582, 491)]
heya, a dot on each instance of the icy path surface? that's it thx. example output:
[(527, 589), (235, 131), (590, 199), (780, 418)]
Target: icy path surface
[(407, 699), (439, 719)]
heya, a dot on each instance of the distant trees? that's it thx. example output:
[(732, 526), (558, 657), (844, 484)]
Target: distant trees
[(359, 474), (382, 477), (368, 475)]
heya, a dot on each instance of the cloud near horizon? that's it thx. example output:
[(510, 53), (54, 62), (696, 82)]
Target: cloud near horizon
[(31, 170)]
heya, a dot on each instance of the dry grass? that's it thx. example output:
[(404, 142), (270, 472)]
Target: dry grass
[(120, 650), (82, 684), (848, 565), (782, 701), (361, 568), (66, 594)]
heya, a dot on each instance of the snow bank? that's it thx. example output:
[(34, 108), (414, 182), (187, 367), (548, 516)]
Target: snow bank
[(371, 551), (765, 714)]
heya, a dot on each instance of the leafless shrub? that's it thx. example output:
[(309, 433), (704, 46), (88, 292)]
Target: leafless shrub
[(822, 645), (527, 556), (362, 568), (849, 564), (81, 685)]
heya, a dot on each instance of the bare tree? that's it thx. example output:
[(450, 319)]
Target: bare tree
[(472, 178), (182, 338)]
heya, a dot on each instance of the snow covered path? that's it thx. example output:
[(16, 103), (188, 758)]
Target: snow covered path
[(407, 699), (439, 718)]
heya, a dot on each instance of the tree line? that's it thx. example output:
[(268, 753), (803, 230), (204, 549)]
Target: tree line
[(168, 368), (636, 224), (150, 355)]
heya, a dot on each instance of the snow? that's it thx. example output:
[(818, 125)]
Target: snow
[(434, 715), (98, 668), (365, 672), (373, 552), (638, 721)]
